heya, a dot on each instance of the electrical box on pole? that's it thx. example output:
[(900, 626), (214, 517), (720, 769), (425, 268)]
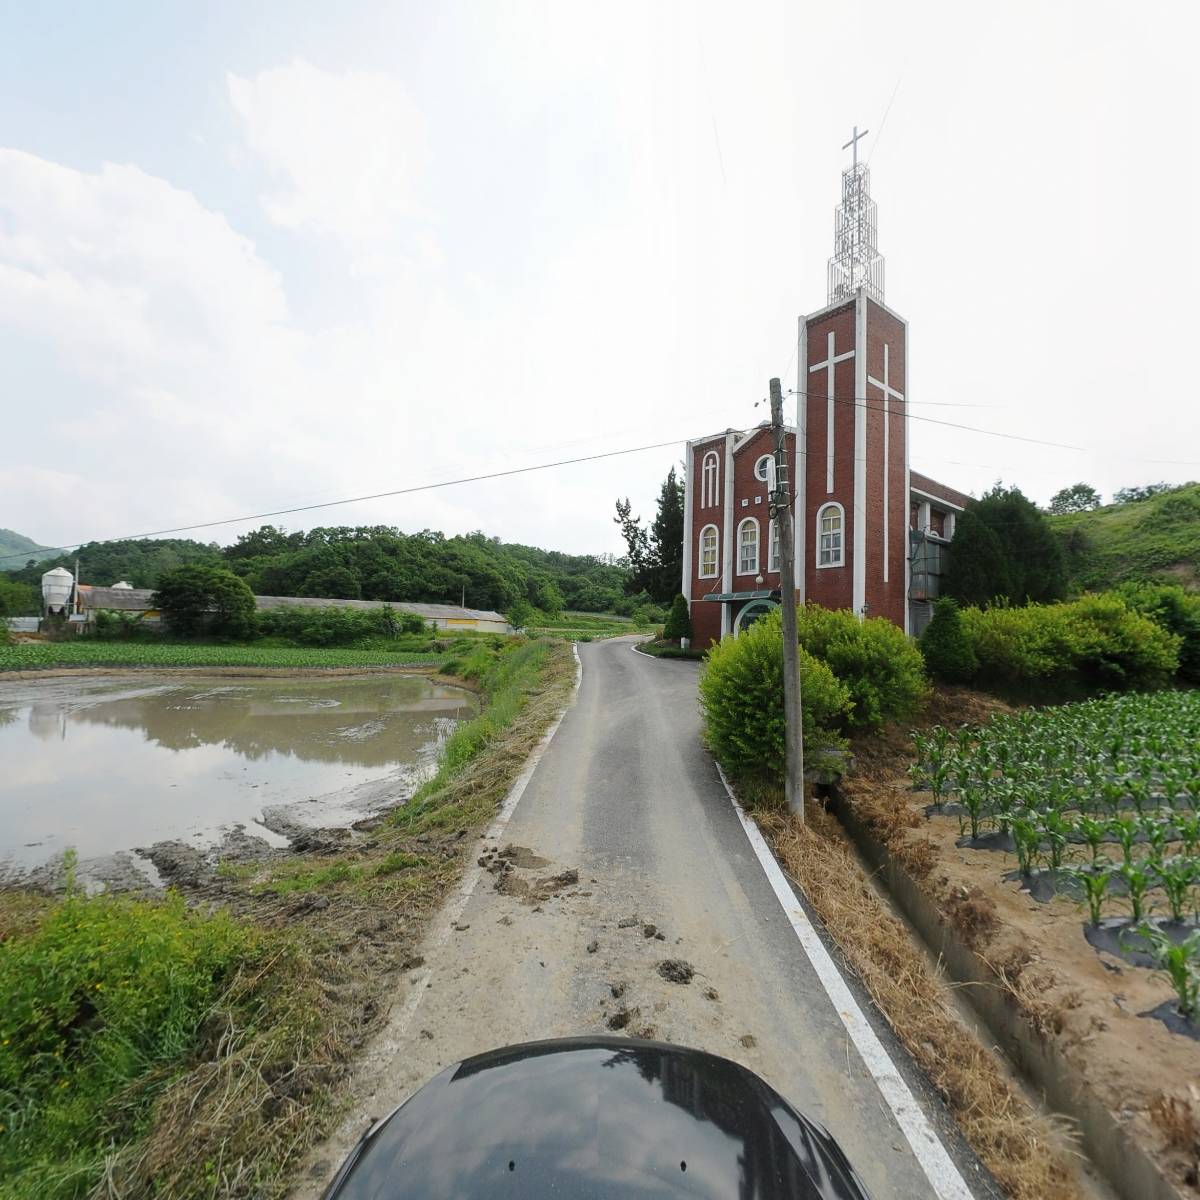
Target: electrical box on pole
[(782, 500)]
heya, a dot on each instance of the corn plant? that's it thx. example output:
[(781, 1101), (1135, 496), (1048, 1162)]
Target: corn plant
[(1027, 838), (1125, 830), (1093, 831), (1180, 962), (1055, 829), (1156, 829), (972, 799), (1094, 881), (1175, 876), (1187, 826), (1137, 881)]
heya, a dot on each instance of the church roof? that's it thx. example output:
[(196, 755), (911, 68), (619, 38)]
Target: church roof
[(939, 491)]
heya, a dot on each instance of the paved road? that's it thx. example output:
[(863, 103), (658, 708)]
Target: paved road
[(626, 794)]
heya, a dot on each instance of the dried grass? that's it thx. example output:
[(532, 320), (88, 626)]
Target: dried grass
[(1026, 1151)]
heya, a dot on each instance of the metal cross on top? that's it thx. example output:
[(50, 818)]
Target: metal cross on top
[(854, 142)]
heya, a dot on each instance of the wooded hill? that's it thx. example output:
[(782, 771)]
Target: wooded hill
[(12, 542), (371, 563), (1154, 538)]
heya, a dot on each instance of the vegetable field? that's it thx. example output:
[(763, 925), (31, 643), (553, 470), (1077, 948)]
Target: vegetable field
[(34, 655), (1100, 800)]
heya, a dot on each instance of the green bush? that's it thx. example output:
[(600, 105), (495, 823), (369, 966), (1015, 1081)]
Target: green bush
[(334, 626), (114, 626), (1171, 608), (876, 660), (1090, 643), (946, 649), (741, 695), (679, 621), (101, 1001)]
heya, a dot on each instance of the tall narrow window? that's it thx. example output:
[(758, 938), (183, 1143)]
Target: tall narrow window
[(710, 481), (830, 540), (773, 553), (748, 547), (710, 562)]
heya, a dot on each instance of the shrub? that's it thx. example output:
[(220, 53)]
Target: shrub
[(679, 621), (334, 626), (947, 651), (114, 626), (1172, 609), (741, 694), (102, 1001), (1096, 641), (876, 660)]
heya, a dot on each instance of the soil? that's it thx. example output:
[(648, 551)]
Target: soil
[(1075, 985)]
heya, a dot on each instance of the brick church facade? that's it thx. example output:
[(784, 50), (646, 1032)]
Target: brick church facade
[(870, 534)]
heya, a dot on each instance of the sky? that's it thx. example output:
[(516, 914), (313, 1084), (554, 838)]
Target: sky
[(259, 256)]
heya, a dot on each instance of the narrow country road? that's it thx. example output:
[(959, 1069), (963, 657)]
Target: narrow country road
[(626, 795)]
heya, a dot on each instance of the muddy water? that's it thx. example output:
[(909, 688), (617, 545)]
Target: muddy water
[(106, 764)]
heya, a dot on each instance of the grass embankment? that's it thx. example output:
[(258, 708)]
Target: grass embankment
[(1144, 539), (152, 1048), (29, 656), (588, 627), (660, 648)]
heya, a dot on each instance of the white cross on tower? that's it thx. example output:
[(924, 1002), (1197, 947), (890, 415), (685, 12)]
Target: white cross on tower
[(831, 361), (889, 393), (853, 142)]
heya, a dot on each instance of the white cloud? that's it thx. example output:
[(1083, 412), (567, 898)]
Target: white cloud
[(350, 147)]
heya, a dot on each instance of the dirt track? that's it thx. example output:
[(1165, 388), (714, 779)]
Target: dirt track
[(624, 854)]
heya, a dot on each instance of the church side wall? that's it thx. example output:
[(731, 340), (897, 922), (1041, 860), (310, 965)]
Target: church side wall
[(706, 616), (831, 587), (886, 598)]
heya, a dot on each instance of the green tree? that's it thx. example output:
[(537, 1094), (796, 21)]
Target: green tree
[(1131, 495), (946, 647), (655, 556), (520, 614), (1079, 497), (1022, 560), (978, 571), (196, 598), (17, 599), (679, 621)]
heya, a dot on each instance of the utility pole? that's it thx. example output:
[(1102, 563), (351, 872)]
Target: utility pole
[(781, 513)]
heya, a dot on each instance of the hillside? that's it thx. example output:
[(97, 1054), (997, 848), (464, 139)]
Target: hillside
[(370, 563), (1158, 538), (12, 542)]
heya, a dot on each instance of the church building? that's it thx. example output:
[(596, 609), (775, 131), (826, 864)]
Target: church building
[(871, 534)]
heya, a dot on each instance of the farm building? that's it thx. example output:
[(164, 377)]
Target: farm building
[(450, 617), (870, 534)]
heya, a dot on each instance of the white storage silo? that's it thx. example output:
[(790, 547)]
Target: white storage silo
[(57, 586)]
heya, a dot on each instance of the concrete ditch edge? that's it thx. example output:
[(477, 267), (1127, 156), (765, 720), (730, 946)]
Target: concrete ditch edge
[(1132, 1173)]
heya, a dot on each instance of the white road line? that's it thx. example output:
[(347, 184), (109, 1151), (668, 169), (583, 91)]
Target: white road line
[(453, 908), (939, 1168)]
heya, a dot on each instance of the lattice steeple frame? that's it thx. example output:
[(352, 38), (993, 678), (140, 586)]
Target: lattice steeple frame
[(856, 261)]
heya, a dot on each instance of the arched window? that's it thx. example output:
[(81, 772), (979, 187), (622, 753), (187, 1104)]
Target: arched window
[(773, 544), (830, 536), (748, 547), (710, 555), (710, 480)]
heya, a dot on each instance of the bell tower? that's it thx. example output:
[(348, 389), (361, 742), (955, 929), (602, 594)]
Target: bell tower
[(852, 417)]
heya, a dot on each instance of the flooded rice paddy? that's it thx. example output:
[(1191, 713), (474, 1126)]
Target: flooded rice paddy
[(107, 764)]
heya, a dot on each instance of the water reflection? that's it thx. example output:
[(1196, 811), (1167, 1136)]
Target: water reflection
[(365, 723), (107, 763)]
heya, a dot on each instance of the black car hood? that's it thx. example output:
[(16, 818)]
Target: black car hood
[(596, 1118)]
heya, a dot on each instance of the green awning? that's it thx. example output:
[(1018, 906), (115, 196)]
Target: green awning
[(733, 597)]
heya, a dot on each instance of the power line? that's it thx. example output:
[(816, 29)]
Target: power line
[(422, 487), (857, 402)]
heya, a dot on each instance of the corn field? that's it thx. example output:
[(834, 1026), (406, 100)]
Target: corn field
[(1107, 793)]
